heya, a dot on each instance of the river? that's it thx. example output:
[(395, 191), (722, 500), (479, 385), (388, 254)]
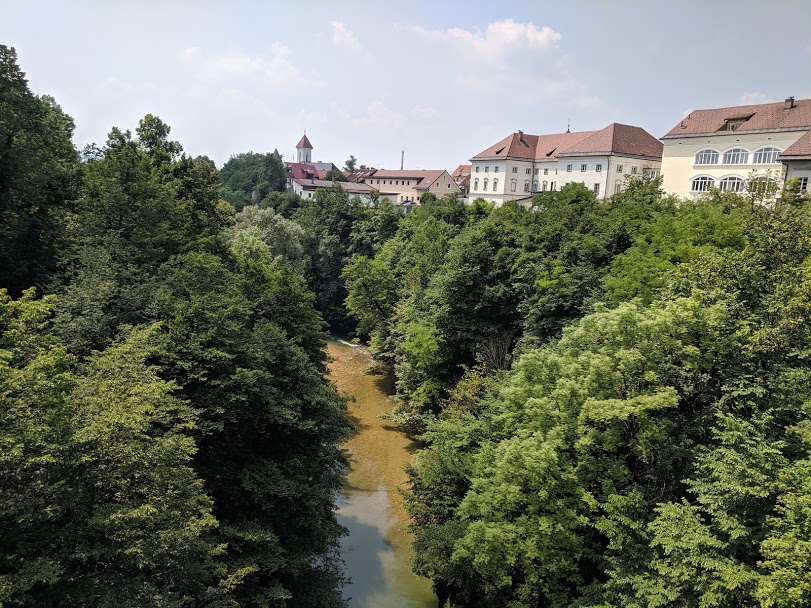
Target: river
[(377, 550)]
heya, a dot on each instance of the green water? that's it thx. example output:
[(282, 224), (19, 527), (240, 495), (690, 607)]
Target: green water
[(377, 549)]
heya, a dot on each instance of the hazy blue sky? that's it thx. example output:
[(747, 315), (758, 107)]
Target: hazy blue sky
[(442, 81)]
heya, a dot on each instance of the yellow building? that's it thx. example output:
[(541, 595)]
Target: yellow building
[(726, 147)]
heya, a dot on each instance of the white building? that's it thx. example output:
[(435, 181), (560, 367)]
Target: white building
[(521, 164), (725, 147), (306, 187)]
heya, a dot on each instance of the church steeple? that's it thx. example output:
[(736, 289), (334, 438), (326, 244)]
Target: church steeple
[(304, 150)]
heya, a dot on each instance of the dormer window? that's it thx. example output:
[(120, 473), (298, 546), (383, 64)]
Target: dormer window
[(733, 124)]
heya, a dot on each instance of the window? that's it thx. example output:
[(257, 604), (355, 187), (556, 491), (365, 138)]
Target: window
[(762, 185), (528, 171), (766, 155), (495, 184), (634, 169), (707, 157), (552, 186), (515, 169), (513, 184), (617, 187), (732, 184), (702, 184), (599, 168), (736, 156), (496, 169), (654, 173), (596, 188), (583, 167), (485, 184), (397, 182), (477, 168), (476, 184), (536, 171), (534, 186), (568, 168), (802, 182), (546, 171), (486, 169), (732, 124), (526, 186), (545, 185), (619, 168)]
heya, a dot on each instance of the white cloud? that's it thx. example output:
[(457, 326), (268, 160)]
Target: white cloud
[(424, 113), (343, 37), (497, 38), (309, 117), (754, 97), (274, 68)]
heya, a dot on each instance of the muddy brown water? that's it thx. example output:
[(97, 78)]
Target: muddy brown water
[(377, 550)]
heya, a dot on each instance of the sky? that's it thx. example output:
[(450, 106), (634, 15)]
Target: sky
[(439, 81)]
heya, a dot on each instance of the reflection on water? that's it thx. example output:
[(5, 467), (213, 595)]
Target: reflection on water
[(377, 549)]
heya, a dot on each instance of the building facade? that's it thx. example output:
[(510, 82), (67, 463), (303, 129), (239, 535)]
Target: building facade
[(404, 187), (727, 148), (797, 161), (520, 165)]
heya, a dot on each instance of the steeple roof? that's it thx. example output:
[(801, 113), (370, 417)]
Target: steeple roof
[(304, 143)]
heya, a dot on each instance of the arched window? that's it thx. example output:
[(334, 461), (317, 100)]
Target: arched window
[(766, 155), (476, 183), (534, 186), (545, 185), (702, 184), (732, 184), (762, 185), (736, 156), (485, 184), (495, 184), (526, 186)]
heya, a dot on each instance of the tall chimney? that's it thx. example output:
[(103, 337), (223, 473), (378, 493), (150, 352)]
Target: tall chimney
[(520, 135), (402, 159), (789, 103)]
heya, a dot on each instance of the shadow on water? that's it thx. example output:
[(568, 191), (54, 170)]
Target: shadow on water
[(377, 549)]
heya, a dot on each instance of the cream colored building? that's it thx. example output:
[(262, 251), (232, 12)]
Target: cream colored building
[(520, 165), (726, 147), (405, 187)]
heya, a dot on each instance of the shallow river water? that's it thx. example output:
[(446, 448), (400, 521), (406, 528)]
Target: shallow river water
[(377, 549)]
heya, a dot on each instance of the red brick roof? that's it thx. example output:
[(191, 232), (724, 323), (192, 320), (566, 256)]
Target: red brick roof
[(617, 139), (351, 188), (613, 139), (758, 118), (801, 147), (304, 143), (460, 172), (304, 171)]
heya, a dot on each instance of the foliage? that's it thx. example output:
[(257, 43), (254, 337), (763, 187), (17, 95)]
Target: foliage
[(252, 178), (39, 176)]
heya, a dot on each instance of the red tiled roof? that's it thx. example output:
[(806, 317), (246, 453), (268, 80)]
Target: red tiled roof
[(801, 147), (460, 172), (614, 139), (617, 138), (305, 171), (515, 145), (304, 143), (358, 175), (761, 117), (351, 188)]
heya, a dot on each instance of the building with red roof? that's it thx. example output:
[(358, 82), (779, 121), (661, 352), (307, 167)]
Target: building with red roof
[(404, 187), (521, 164), (726, 148)]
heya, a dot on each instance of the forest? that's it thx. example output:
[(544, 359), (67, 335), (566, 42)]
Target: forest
[(613, 397)]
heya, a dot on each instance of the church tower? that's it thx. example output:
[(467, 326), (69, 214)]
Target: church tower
[(304, 150)]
